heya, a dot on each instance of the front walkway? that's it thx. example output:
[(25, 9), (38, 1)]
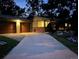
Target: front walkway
[(40, 46)]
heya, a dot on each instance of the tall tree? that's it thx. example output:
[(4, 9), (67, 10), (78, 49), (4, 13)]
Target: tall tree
[(34, 6), (8, 7), (54, 8), (62, 10)]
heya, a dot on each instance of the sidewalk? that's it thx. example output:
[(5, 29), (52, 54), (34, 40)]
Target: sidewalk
[(40, 46)]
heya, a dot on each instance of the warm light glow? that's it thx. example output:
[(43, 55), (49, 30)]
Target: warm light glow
[(18, 26), (40, 23), (46, 23), (69, 25), (61, 28), (66, 24), (18, 22), (11, 26)]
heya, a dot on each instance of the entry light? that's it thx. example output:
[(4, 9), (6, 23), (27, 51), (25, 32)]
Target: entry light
[(18, 22)]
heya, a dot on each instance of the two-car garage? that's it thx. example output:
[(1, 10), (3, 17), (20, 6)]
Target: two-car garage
[(11, 27)]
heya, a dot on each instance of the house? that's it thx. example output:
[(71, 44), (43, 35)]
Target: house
[(40, 23), (10, 24)]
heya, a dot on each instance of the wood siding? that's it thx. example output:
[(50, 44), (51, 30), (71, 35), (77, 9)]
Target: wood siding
[(24, 27), (7, 27)]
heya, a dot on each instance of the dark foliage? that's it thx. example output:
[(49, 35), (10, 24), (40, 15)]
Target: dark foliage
[(8, 7)]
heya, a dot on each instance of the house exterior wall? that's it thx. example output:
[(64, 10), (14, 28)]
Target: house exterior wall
[(38, 29), (39, 24), (15, 26), (21, 26)]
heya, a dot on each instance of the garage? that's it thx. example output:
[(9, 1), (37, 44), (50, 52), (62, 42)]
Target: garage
[(7, 27), (25, 27)]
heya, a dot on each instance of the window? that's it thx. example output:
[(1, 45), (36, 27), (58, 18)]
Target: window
[(40, 23), (46, 23)]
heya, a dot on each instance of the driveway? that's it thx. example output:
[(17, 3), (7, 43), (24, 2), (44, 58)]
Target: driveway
[(40, 46), (19, 36)]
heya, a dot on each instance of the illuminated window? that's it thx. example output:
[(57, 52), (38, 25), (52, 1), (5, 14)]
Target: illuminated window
[(61, 28), (46, 23), (69, 25), (40, 23)]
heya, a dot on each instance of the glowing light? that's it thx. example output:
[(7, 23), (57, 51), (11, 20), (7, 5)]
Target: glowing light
[(18, 26), (61, 28), (18, 22), (66, 24), (69, 25), (46, 23), (40, 23)]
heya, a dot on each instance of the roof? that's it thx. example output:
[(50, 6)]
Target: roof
[(12, 17), (3, 17)]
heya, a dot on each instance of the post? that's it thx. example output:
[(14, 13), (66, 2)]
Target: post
[(18, 26), (44, 26)]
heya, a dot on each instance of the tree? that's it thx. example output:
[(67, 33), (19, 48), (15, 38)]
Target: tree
[(54, 8), (51, 27), (34, 6), (62, 10), (8, 7), (74, 22)]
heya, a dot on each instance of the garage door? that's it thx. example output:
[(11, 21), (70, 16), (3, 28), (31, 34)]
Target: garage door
[(24, 27), (7, 27)]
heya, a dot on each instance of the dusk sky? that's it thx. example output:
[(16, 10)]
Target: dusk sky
[(22, 3)]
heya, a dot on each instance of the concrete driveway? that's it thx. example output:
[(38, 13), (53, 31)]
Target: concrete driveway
[(40, 46), (19, 36)]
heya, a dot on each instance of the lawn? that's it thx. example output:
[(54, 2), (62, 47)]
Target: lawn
[(5, 49), (72, 46)]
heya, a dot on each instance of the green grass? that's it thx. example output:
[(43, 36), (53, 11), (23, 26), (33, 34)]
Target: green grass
[(72, 46), (5, 49)]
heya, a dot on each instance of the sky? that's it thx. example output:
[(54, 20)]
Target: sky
[(22, 3)]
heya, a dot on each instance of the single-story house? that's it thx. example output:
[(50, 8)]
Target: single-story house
[(10, 24), (22, 25)]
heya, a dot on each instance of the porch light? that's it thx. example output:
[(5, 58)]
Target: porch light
[(18, 22)]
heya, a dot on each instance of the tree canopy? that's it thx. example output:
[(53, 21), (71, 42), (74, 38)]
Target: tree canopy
[(61, 9), (9, 7)]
